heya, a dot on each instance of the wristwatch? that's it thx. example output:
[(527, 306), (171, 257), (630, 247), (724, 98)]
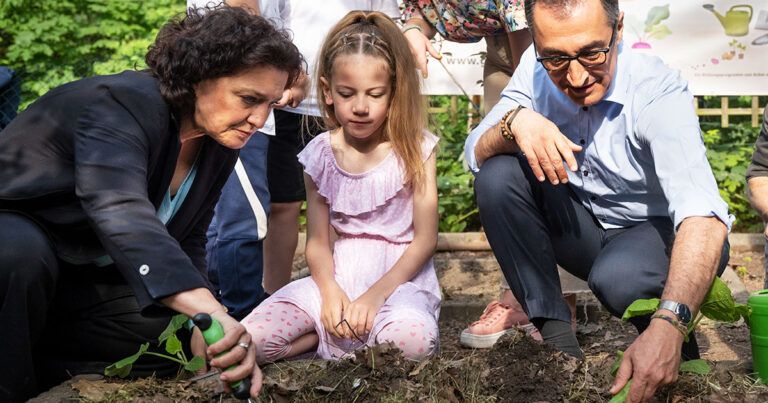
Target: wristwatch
[(680, 310)]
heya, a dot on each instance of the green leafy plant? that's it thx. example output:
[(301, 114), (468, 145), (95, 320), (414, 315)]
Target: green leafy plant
[(718, 305), (457, 208), (52, 42), (172, 346), (729, 151)]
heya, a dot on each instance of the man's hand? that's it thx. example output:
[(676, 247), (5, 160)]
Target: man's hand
[(361, 312), (544, 146), (334, 304), (651, 361), (420, 45)]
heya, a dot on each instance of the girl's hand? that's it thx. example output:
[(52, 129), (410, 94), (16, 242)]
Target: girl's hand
[(335, 303), (362, 311)]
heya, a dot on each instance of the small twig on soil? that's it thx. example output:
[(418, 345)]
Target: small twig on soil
[(345, 376)]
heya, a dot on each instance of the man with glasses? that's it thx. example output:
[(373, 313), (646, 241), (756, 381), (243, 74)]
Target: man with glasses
[(593, 160)]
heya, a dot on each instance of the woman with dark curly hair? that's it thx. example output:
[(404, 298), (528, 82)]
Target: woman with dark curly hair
[(107, 186)]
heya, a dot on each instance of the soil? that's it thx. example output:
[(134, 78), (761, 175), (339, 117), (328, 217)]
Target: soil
[(516, 369)]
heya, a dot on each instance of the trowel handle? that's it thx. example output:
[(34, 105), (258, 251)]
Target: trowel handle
[(213, 332)]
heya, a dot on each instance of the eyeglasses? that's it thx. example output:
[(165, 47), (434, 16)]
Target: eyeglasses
[(587, 58)]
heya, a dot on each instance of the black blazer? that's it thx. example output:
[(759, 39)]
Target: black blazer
[(91, 162)]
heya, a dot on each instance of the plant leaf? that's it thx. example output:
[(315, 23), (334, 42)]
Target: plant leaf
[(617, 363), (172, 344), (719, 305), (621, 397), (656, 15), (641, 307), (123, 367), (194, 364), (175, 324), (700, 367), (745, 311)]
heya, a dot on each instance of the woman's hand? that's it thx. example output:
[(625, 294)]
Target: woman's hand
[(420, 45), (198, 347), (361, 312), (243, 360), (293, 96), (335, 303), (235, 354)]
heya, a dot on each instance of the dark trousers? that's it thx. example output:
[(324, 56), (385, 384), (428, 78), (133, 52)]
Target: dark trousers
[(534, 226), (234, 249), (60, 320)]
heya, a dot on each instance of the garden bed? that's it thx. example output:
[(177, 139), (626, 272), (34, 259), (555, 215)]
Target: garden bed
[(517, 369)]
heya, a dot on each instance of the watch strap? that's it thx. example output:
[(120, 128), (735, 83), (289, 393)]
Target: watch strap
[(677, 308)]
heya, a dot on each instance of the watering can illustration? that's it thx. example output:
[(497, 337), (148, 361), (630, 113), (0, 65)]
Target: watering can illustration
[(735, 21)]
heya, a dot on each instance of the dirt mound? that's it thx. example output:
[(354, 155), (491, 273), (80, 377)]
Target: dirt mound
[(518, 368)]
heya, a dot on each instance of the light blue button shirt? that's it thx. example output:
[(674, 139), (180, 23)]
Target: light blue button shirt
[(643, 155)]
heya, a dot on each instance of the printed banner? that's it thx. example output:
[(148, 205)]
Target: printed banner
[(720, 47)]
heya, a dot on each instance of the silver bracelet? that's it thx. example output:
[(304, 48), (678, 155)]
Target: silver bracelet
[(410, 27)]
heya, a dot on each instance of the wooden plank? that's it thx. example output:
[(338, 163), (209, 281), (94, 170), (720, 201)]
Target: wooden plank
[(755, 110), (731, 111)]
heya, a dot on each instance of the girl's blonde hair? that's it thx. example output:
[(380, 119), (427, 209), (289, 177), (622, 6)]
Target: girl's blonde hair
[(374, 34)]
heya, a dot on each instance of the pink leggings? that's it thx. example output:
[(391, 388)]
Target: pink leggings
[(275, 326)]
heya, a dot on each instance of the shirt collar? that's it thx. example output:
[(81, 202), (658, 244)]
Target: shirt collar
[(618, 92)]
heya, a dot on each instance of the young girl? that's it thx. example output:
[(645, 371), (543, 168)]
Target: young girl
[(372, 177)]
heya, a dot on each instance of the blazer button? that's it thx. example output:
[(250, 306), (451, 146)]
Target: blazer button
[(144, 270)]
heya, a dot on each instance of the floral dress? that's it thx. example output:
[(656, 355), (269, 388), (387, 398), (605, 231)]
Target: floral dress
[(468, 21)]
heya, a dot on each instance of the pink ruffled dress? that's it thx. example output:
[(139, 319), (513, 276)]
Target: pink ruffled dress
[(372, 212)]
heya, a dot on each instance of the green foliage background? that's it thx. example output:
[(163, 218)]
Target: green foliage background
[(51, 42)]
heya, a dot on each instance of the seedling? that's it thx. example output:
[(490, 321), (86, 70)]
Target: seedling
[(718, 305), (172, 346)]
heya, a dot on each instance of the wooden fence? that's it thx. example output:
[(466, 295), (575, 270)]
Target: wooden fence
[(755, 111)]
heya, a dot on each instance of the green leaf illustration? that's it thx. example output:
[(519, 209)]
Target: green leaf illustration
[(660, 31), (656, 15)]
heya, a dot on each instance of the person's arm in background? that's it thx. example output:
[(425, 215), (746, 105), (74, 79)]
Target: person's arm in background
[(252, 5), (418, 32), (298, 91), (757, 174)]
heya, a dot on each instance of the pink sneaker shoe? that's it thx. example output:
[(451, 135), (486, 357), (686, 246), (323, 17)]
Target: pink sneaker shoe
[(497, 320)]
